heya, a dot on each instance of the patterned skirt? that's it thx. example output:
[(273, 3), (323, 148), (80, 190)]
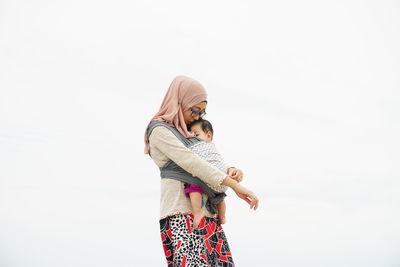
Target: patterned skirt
[(183, 246)]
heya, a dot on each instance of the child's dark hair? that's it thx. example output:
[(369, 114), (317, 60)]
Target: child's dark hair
[(206, 126)]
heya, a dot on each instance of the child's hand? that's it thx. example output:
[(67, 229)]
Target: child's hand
[(235, 174)]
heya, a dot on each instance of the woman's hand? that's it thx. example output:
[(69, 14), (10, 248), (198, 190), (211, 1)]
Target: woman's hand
[(235, 174), (242, 192), (246, 195)]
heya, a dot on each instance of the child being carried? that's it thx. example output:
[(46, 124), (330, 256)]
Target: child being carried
[(208, 152)]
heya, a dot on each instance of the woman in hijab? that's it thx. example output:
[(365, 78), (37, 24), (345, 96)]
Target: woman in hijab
[(185, 102)]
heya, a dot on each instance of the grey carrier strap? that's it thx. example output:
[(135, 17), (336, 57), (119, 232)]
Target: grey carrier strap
[(174, 171)]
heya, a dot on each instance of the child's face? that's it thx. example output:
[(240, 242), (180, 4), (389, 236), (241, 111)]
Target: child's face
[(196, 129)]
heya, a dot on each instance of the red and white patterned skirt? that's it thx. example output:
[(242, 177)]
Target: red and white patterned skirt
[(183, 246)]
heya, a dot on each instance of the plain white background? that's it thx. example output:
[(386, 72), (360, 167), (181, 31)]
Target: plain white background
[(304, 97)]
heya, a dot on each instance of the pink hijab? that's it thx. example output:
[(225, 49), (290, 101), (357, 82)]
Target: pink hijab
[(182, 94)]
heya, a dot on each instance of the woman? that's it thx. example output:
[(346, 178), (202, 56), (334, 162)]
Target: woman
[(185, 102)]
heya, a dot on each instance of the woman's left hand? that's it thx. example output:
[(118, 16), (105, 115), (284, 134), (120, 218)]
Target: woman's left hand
[(235, 174)]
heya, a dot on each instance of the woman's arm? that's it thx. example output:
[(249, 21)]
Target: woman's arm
[(165, 141)]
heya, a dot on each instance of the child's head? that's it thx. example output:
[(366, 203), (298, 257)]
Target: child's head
[(202, 129)]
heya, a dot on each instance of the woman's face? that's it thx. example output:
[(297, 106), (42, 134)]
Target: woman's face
[(189, 117)]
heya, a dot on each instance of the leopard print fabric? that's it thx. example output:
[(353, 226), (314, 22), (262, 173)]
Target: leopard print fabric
[(187, 247)]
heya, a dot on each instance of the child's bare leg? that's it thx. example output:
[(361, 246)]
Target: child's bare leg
[(221, 206), (198, 213)]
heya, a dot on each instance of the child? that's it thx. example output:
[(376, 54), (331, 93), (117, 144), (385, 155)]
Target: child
[(207, 151)]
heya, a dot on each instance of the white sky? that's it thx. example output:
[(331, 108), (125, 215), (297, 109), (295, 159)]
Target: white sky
[(304, 97)]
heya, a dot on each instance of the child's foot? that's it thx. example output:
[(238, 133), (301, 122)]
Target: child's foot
[(197, 218), (222, 219)]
